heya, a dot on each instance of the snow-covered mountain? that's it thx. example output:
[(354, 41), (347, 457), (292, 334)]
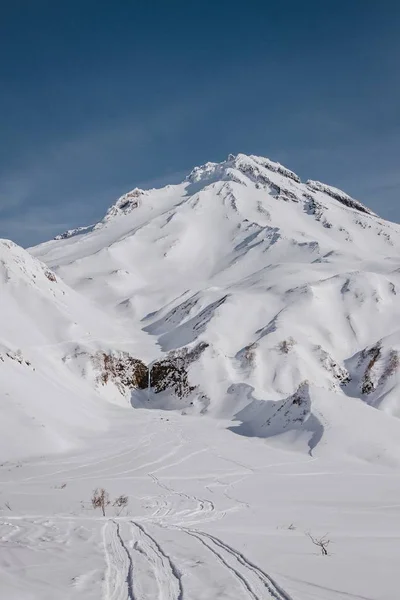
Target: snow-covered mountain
[(284, 284), (263, 313)]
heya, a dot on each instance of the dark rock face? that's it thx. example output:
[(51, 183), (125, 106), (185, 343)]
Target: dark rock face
[(17, 356), (171, 373), (124, 370), (73, 232), (390, 364), (339, 196), (50, 276), (373, 354)]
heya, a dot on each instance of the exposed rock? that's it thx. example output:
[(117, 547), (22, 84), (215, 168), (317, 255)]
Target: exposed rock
[(374, 353), (171, 373), (295, 409), (128, 373), (121, 369), (15, 355), (393, 365), (50, 276), (276, 167), (73, 232), (376, 375), (125, 204), (339, 372), (339, 196)]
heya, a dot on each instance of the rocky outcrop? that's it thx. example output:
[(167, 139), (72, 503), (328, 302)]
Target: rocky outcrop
[(373, 354), (121, 369), (73, 232), (128, 373), (376, 375), (123, 206), (126, 204), (13, 355), (171, 373), (340, 374), (339, 196), (295, 409), (50, 276), (276, 168)]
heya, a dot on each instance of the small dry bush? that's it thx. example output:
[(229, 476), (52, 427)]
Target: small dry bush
[(101, 499)]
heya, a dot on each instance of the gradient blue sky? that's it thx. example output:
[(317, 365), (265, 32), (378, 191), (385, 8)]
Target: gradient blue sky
[(97, 97)]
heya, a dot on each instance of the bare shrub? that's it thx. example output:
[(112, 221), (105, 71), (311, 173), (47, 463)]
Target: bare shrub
[(101, 499), (322, 543), (120, 503)]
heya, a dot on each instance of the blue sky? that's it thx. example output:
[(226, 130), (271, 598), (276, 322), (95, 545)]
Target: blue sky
[(98, 97)]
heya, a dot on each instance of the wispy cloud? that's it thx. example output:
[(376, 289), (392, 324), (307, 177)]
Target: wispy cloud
[(63, 185)]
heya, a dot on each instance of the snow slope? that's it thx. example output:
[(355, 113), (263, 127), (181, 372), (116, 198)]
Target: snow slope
[(211, 516), (48, 334)]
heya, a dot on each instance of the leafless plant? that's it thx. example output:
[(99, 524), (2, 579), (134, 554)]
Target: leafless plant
[(322, 543), (101, 499), (120, 503)]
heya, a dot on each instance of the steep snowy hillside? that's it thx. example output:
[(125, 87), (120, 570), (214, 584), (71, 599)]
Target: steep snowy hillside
[(52, 348), (281, 282)]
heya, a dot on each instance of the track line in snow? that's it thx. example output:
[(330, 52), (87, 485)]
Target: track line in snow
[(252, 578), (76, 467), (203, 507), (125, 580), (119, 573), (115, 474), (184, 459), (235, 573), (167, 575)]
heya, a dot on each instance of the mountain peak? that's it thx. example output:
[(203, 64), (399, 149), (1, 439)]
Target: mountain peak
[(251, 171), (241, 162)]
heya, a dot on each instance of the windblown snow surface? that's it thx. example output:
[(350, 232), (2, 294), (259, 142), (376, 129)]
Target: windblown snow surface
[(289, 433)]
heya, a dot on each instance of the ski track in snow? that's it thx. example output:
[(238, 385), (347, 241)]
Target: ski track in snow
[(254, 581), (138, 564), (248, 574), (130, 551), (203, 507), (119, 573), (122, 580), (110, 458), (167, 574)]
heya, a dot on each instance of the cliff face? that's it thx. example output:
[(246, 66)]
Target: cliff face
[(168, 374)]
